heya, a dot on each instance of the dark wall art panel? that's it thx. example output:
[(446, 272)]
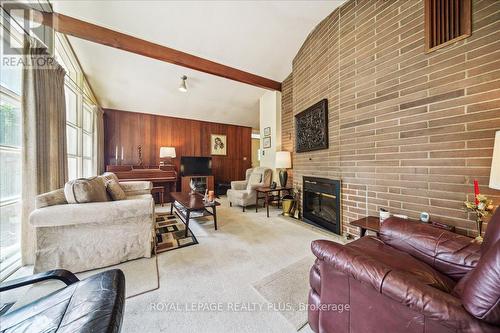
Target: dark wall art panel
[(311, 128)]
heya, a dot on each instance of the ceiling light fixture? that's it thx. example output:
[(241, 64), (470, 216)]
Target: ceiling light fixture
[(183, 86)]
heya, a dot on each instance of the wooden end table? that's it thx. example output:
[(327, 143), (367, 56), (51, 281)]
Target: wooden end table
[(372, 223), (189, 203), (270, 195)]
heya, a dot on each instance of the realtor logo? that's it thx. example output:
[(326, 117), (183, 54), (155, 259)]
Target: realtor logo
[(21, 18)]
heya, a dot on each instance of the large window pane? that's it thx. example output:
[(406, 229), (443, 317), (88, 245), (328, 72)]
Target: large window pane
[(87, 168), (10, 124), (71, 106), (87, 145), (10, 240), (72, 168), (10, 78), (87, 118), (72, 137), (10, 174)]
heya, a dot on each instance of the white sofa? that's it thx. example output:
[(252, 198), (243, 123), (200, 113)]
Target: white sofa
[(85, 236), (242, 192)]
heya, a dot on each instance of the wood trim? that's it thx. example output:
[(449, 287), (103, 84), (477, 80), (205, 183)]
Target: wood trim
[(77, 28)]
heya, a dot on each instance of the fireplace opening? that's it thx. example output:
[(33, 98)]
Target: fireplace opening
[(321, 202)]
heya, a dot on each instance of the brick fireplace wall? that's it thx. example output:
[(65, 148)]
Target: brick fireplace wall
[(408, 129)]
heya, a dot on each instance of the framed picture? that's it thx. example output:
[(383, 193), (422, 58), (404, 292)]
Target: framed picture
[(266, 143), (311, 128), (218, 144), (267, 131)]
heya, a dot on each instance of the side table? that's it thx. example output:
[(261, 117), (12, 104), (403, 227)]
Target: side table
[(372, 223), (270, 195)]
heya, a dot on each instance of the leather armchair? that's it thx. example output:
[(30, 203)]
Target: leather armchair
[(412, 278), (242, 192), (95, 304)]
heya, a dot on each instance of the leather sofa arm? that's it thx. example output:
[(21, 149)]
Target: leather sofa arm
[(452, 254), (57, 274), (351, 262)]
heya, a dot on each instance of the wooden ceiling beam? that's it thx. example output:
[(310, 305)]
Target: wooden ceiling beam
[(77, 28)]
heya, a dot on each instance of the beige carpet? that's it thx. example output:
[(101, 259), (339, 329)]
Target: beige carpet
[(220, 271), (287, 290)]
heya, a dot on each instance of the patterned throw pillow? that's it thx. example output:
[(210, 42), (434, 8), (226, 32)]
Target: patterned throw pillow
[(115, 190)]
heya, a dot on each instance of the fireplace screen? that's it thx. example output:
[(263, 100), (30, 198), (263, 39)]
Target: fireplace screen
[(321, 203)]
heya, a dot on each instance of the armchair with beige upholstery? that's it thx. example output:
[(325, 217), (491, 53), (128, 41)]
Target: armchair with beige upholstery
[(242, 192)]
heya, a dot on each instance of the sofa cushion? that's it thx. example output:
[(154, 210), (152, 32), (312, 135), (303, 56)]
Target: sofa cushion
[(402, 261), (51, 198), (109, 176), (480, 288), (114, 190), (255, 179), (85, 190)]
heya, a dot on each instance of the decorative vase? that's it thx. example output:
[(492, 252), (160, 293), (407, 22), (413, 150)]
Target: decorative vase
[(289, 204), (479, 225), (283, 177)]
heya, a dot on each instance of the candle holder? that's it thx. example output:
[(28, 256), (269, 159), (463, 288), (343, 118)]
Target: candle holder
[(482, 207)]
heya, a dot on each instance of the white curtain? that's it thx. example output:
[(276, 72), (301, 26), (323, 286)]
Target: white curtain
[(44, 163)]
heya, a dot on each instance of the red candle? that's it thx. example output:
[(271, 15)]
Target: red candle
[(476, 191)]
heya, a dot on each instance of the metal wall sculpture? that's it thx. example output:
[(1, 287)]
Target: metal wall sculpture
[(311, 128)]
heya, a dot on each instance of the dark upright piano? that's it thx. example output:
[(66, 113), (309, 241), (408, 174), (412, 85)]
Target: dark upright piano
[(164, 176)]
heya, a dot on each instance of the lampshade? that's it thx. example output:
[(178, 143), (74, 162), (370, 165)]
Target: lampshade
[(283, 160), (167, 152), (495, 164)]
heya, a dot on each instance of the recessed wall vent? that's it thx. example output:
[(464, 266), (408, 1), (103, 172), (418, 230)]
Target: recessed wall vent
[(446, 22)]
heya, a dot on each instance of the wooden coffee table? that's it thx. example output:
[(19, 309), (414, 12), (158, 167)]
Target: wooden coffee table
[(189, 203)]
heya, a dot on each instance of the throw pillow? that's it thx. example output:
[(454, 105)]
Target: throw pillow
[(108, 176), (115, 190), (85, 190)]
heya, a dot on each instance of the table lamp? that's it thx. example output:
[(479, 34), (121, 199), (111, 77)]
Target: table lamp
[(166, 155), (283, 162)]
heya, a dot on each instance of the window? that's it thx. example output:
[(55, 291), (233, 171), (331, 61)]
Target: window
[(10, 164), (80, 114), (446, 22)]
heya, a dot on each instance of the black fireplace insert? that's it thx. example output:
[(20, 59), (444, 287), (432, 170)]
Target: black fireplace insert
[(321, 202)]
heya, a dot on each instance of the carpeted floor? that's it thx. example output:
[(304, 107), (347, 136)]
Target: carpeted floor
[(209, 287)]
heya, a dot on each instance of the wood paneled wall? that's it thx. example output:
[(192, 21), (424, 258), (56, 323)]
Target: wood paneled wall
[(189, 137)]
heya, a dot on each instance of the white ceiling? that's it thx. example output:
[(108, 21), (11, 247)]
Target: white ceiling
[(260, 37)]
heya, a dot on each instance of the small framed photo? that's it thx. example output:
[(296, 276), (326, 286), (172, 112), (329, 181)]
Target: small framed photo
[(266, 143), (218, 144), (267, 131)]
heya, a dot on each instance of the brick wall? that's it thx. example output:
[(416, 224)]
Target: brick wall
[(287, 119), (409, 129)]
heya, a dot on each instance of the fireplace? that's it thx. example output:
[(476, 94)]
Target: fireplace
[(321, 202)]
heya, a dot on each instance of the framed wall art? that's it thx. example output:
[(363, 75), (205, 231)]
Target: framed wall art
[(311, 128), (218, 144)]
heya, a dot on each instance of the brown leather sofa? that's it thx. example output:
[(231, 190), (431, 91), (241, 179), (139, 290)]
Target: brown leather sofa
[(412, 278)]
